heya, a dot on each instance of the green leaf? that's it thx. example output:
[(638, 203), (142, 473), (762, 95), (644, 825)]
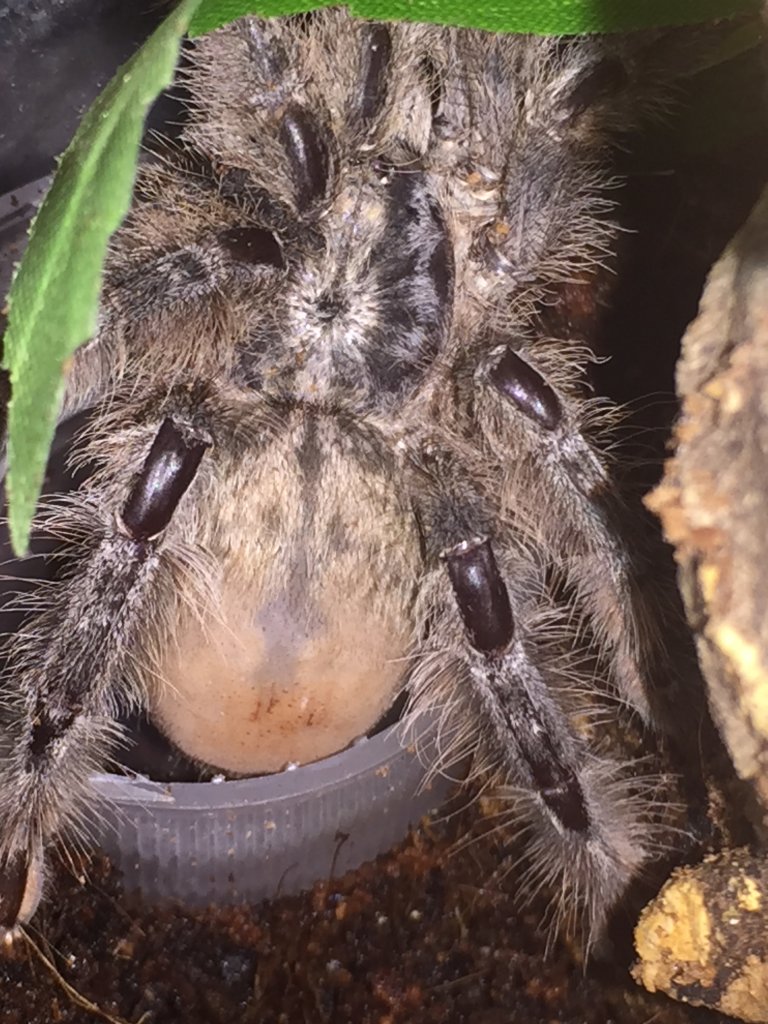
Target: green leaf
[(542, 17), (53, 300)]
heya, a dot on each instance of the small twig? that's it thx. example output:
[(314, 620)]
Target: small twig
[(77, 998), (449, 986)]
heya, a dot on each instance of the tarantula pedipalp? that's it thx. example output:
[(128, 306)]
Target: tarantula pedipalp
[(330, 454)]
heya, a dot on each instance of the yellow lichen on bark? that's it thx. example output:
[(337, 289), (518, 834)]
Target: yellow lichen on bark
[(747, 995), (673, 937), (704, 939)]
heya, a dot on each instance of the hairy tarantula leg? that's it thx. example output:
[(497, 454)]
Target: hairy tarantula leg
[(59, 728), (585, 526), (588, 825), (510, 686)]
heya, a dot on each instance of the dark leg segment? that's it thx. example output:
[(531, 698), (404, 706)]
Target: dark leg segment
[(307, 155), (59, 723), (481, 594), (511, 688), (581, 525), (520, 383), (168, 471), (504, 697), (376, 57)]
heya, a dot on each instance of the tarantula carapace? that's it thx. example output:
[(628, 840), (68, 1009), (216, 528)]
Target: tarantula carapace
[(332, 459)]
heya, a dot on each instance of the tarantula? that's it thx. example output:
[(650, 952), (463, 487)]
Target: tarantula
[(331, 458)]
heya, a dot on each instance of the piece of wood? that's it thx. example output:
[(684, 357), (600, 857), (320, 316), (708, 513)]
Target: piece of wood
[(704, 938), (713, 500)]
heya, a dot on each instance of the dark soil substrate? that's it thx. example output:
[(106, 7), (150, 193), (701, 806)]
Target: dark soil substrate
[(414, 937)]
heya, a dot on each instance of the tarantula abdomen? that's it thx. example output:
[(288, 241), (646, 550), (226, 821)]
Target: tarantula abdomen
[(269, 671)]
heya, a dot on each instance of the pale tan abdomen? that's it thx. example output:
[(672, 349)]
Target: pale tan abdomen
[(304, 645)]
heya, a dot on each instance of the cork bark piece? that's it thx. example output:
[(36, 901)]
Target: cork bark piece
[(713, 500), (704, 938)]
